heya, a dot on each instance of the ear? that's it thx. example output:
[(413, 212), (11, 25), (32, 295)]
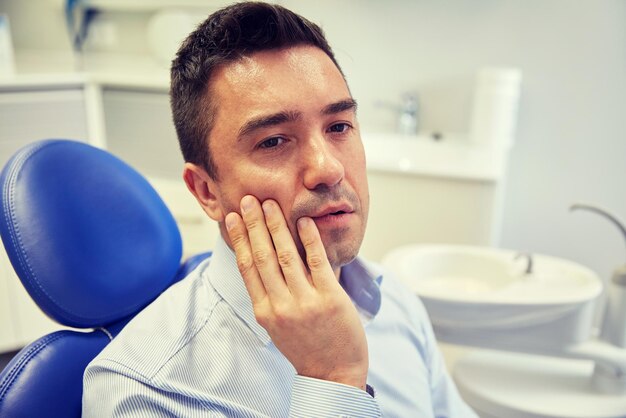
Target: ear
[(204, 189)]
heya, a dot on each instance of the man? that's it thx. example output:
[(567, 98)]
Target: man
[(283, 320)]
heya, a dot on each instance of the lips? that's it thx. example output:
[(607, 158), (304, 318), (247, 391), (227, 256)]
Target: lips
[(333, 209)]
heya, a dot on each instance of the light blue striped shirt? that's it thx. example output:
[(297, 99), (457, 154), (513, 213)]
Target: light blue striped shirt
[(197, 351)]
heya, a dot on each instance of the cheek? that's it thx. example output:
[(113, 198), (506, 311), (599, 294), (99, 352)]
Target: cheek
[(356, 170), (356, 173), (260, 184)]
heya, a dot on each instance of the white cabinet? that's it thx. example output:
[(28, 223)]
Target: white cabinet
[(139, 129), (8, 338), (29, 115), (409, 209)]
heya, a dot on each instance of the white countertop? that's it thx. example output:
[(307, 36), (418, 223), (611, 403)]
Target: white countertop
[(453, 157), (41, 70)]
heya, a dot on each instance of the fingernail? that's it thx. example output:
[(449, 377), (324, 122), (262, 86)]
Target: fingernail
[(268, 208), (230, 221), (246, 203), (303, 222)]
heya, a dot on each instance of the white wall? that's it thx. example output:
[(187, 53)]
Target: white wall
[(571, 142)]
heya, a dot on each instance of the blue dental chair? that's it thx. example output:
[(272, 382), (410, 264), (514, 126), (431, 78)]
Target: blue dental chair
[(93, 244)]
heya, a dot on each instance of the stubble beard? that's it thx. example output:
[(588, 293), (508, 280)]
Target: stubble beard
[(341, 244)]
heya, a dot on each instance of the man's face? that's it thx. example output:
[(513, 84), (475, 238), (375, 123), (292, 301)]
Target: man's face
[(286, 129)]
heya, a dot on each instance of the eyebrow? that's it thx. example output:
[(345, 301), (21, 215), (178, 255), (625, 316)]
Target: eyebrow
[(291, 116), (340, 106), (268, 120)]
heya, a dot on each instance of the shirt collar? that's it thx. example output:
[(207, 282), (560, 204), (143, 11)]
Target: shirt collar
[(360, 281)]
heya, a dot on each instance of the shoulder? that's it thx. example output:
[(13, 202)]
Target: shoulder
[(161, 329)]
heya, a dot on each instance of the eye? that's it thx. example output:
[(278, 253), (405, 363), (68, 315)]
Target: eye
[(340, 128), (272, 142)]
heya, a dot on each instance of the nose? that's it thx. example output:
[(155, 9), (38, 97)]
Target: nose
[(322, 166)]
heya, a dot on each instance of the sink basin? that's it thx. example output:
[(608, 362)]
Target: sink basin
[(483, 296)]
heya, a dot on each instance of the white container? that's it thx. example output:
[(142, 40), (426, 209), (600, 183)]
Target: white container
[(7, 60), (494, 112), (614, 324)]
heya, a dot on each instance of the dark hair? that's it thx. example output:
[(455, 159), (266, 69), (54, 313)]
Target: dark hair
[(225, 36)]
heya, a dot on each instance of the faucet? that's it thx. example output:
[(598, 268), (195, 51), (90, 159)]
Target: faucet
[(407, 123), (407, 113), (529, 262), (593, 208)]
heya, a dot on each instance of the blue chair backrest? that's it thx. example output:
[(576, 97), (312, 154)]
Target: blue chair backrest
[(93, 244)]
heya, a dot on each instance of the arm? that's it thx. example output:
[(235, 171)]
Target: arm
[(112, 390)]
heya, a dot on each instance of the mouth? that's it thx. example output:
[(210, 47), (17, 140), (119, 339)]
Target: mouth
[(333, 210), (334, 215)]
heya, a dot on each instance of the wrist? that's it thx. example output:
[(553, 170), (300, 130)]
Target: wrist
[(358, 380)]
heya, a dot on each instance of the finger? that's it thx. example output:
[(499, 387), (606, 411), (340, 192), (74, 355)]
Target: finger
[(287, 254), (239, 240), (316, 259), (262, 247)]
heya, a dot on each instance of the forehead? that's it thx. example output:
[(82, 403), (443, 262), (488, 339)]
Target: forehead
[(278, 78), (306, 61)]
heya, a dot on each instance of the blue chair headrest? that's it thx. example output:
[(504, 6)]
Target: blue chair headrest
[(88, 236)]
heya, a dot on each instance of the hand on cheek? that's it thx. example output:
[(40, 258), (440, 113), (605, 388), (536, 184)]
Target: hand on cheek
[(309, 317)]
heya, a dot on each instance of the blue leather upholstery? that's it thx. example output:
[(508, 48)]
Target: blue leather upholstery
[(60, 195), (92, 243), (45, 379)]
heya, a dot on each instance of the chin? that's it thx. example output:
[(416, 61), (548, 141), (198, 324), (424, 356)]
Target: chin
[(341, 245), (341, 252), (340, 260)]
